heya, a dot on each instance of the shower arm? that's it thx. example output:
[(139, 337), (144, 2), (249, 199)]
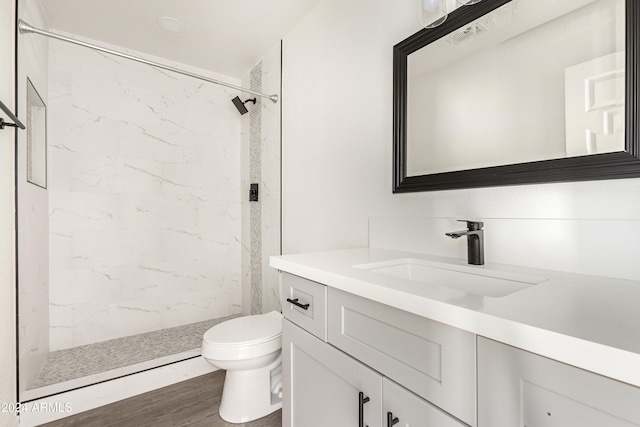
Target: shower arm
[(26, 28)]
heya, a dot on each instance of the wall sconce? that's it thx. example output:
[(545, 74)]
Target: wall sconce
[(432, 12)]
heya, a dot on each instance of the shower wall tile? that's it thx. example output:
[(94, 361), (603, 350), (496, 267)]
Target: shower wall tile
[(245, 168), (84, 211), (144, 198), (255, 176), (183, 308), (261, 162), (140, 211), (60, 252), (60, 326), (147, 280), (117, 247), (32, 209), (73, 287), (138, 316), (81, 133), (270, 179), (186, 246)]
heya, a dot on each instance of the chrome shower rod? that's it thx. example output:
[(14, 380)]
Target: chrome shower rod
[(26, 28)]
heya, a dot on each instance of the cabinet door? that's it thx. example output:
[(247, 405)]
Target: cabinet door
[(435, 361), (410, 410), (518, 388), (321, 385)]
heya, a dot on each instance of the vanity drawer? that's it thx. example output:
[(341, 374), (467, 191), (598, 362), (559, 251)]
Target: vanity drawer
[(435, 361), (313, 318)]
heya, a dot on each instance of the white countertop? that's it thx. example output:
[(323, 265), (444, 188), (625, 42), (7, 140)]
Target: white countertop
[(587, 321)]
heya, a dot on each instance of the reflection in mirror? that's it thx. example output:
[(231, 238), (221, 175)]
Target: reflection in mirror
[(532, 80), (432, 12)]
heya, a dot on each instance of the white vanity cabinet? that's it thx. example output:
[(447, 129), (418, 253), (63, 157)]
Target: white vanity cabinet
[(423, 353), (435, 361), (518, 388), (323, 386)]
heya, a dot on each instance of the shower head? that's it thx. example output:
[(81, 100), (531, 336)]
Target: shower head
[(240, 104)]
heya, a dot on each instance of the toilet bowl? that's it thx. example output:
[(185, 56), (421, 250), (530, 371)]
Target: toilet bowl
[(249, 349)]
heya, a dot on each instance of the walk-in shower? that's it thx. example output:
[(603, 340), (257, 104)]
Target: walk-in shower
[(148, 236)]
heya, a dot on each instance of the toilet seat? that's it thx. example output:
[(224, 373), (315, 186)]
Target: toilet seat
[(244, 337)]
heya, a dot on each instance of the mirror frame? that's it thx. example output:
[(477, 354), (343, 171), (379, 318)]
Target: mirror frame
[(623, 164)]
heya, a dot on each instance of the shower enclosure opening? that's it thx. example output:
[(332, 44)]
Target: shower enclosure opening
[(143, 236)]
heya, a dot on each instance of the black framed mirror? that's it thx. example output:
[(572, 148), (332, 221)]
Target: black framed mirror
[(594, 163)]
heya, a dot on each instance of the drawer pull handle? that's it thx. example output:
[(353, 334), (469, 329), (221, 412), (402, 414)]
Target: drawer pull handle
[(391, 421), (296, 303), (362, 401)]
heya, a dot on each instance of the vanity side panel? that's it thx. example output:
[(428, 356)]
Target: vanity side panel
[(518, 388), (433, 360)]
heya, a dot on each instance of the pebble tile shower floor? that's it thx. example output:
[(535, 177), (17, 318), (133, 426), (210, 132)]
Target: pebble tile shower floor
[(86, 360)]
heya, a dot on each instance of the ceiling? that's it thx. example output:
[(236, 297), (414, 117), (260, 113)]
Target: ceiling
[(224, 36)]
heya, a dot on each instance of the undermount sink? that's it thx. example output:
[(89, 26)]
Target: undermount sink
[(476, 280)]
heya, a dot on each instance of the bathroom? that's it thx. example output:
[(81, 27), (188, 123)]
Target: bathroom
[(336, 166)]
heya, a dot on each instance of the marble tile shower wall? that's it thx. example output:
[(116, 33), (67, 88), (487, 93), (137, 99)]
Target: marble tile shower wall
[(270, 177), (33, 218), (144, 198), (261, 163)]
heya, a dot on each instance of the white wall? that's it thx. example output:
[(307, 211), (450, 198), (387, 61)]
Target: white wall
[(337, 139), (144, 197), (7, 218)]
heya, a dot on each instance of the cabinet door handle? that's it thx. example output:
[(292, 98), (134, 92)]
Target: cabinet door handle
[(391, 421), (296, 303), (362, 401)]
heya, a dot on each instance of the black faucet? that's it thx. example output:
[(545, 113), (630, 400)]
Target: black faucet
[(475, 241)]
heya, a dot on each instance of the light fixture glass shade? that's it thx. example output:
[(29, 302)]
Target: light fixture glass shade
[(432, 12), (468, 2), (502, 16)]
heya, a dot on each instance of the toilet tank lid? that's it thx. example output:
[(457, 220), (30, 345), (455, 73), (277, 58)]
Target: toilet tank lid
[(245, 330)]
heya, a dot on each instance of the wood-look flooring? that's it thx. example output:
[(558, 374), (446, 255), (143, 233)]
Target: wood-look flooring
[(191, 403)]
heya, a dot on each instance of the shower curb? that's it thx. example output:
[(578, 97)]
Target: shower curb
[(93, 396)]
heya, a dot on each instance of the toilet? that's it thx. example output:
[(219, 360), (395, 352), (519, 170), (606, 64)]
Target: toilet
[(249, 348)]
